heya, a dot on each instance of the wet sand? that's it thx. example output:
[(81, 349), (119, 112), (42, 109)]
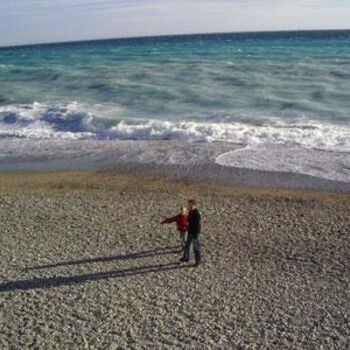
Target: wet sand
[(189, 161), (86, 265)]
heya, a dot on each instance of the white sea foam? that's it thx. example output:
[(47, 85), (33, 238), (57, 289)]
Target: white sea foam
[(76, 121), (290, 159)]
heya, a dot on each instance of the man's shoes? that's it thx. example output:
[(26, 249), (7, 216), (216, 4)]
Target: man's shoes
[(184, 260), (199, 262)]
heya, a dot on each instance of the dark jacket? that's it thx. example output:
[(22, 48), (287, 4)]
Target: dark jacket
[(194, 222)]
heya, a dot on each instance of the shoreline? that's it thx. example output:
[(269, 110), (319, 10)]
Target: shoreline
[(176, 160)]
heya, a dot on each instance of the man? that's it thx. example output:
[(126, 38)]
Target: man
[(194, 229)]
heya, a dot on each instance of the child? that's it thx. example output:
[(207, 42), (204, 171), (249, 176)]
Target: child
[(181, 223)]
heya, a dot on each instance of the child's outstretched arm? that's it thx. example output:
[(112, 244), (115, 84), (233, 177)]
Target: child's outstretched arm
[(169, 220)]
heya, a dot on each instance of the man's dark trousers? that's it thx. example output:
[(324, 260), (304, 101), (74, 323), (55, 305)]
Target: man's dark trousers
[(196, 247)]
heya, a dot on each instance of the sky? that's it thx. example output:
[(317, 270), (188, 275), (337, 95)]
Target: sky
[(39, 21)]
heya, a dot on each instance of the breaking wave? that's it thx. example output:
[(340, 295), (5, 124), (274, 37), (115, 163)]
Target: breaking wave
[(74, 121)]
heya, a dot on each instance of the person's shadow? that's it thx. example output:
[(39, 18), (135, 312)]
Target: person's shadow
[(47, 282), (138, 255)]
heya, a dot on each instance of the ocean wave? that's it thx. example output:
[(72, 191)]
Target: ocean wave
[(76, 121)]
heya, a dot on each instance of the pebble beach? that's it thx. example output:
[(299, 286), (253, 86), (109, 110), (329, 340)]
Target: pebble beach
[(85, 264)]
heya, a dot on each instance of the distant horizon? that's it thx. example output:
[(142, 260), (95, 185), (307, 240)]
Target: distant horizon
[(48, 43), (45, 21)]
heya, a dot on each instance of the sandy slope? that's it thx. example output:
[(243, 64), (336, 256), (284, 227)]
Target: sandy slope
[(84, 264)]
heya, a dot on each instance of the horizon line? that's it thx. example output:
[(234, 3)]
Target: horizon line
[(48, 43)]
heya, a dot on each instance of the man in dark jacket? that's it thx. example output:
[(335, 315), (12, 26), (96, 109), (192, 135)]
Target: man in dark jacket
[(194, 229)]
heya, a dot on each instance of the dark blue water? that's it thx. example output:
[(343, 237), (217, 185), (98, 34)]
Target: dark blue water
[(256, 88)]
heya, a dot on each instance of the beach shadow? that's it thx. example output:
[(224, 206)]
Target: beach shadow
[(138, 255), (47, 282)]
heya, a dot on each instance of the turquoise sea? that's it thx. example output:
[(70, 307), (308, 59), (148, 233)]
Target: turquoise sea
[(288, 89)]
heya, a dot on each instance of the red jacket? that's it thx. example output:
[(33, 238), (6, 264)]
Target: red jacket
[(181, 222)]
